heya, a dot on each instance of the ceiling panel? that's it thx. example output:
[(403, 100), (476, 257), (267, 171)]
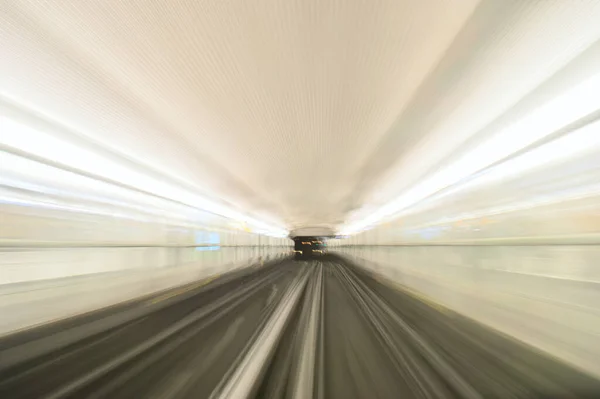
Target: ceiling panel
[(295, 112)]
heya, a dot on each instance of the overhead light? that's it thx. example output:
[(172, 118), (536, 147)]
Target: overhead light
[(66, 190), (557, 113), (21, 137), (585, 139)]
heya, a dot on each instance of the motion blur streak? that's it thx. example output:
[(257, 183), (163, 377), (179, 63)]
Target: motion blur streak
[(304, 198)]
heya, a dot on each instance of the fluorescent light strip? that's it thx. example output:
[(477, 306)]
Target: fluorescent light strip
[(145, 218), (120, 202), (575, 104), (584, 140), (31, 175), (69, 208), (41, 144), (571, 195), (576, 144)]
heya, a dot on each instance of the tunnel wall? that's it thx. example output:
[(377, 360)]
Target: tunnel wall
[(55, 263), (40, 244), (531, 273), (34, 302), (547, 296), (71, 242)]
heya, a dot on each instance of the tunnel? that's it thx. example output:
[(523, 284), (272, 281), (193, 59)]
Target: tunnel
[(307, 247), (299, 199)]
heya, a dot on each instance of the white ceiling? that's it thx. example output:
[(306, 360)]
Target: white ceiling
[(299, 113)]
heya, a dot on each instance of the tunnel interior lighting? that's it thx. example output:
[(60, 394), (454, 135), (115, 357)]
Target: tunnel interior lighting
[(550, 117), (586, 139), (18, 136), (59, 186)]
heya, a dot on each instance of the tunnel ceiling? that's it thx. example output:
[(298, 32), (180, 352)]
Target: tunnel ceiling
[(299, 113)]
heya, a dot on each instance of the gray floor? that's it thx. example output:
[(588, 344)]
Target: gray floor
[(322, 328)]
